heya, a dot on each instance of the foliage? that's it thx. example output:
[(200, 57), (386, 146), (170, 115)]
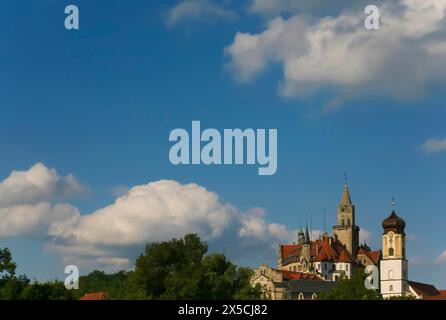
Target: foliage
[(351, 289), (179, 269), (175, 269)]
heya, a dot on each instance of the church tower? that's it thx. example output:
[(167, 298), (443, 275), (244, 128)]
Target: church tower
[(393, 268), (306, 248), (346, 229)]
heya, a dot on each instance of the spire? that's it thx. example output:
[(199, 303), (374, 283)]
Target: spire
[(307, 236), (346, 200)]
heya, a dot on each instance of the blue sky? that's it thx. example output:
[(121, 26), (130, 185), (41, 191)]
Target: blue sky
[(99, 103)]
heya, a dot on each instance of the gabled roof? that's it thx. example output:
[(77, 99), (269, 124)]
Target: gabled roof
[(293, 275), (93, 296), (344, 256), (374, 256), (326, 253), (424, 290)]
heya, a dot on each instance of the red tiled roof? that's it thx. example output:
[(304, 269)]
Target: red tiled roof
[(93, 296), (424, 290), (327, 252), (372, 255), (287, 249), (293, 275), (344, 256)]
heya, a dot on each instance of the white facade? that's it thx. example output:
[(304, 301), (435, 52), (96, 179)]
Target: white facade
[(393, 275), (343, 268)]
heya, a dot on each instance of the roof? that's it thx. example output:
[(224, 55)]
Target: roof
[(345, 199), (93, 296), (395, 223), (311, 286), (427, 291), (323, 249), (344, 256), (293, 275), (372, 255), (327, 252)]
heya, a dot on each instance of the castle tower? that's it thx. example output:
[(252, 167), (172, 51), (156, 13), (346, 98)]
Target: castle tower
[(300, 236), (306, 248), (393, 268), (346, 230)]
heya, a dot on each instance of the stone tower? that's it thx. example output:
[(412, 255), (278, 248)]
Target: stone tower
[(306, 248), (346, 229)]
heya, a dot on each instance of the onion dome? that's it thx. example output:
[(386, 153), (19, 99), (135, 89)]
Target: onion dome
[(394, 223)]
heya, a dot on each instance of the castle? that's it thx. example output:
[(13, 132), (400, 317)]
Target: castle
[(308, 267)]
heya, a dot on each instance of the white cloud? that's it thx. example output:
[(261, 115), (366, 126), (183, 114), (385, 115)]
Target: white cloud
[(315, 7), (339, 53), (160, 211), (198, 9), (441, 258), (156, 211), (434, 145), (253, 224), (26, 197), (35, 220), (37, 184), (111, 237)]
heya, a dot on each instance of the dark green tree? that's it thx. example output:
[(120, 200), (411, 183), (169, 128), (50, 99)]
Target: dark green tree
[(162, 260), (7, 266), (351, 289), (179, 269)]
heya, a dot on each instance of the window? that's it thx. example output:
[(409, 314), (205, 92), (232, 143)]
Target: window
[(301, 296), (391, 252), (348, 221), (346, 267), (343, 223), (314, 296), (391, 288), (391, 274), (325, 267)]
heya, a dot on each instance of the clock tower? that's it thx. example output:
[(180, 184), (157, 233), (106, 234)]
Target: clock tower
[(393, 267)]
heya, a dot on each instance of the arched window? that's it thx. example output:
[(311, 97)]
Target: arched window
[(314, 296), (391, 288), (390, 274), (391, 252), (301, 296)]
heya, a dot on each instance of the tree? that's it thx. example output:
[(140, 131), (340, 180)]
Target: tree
[(351, 289), (14, 287), (7, 266), (164, 259), (180, 269)]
